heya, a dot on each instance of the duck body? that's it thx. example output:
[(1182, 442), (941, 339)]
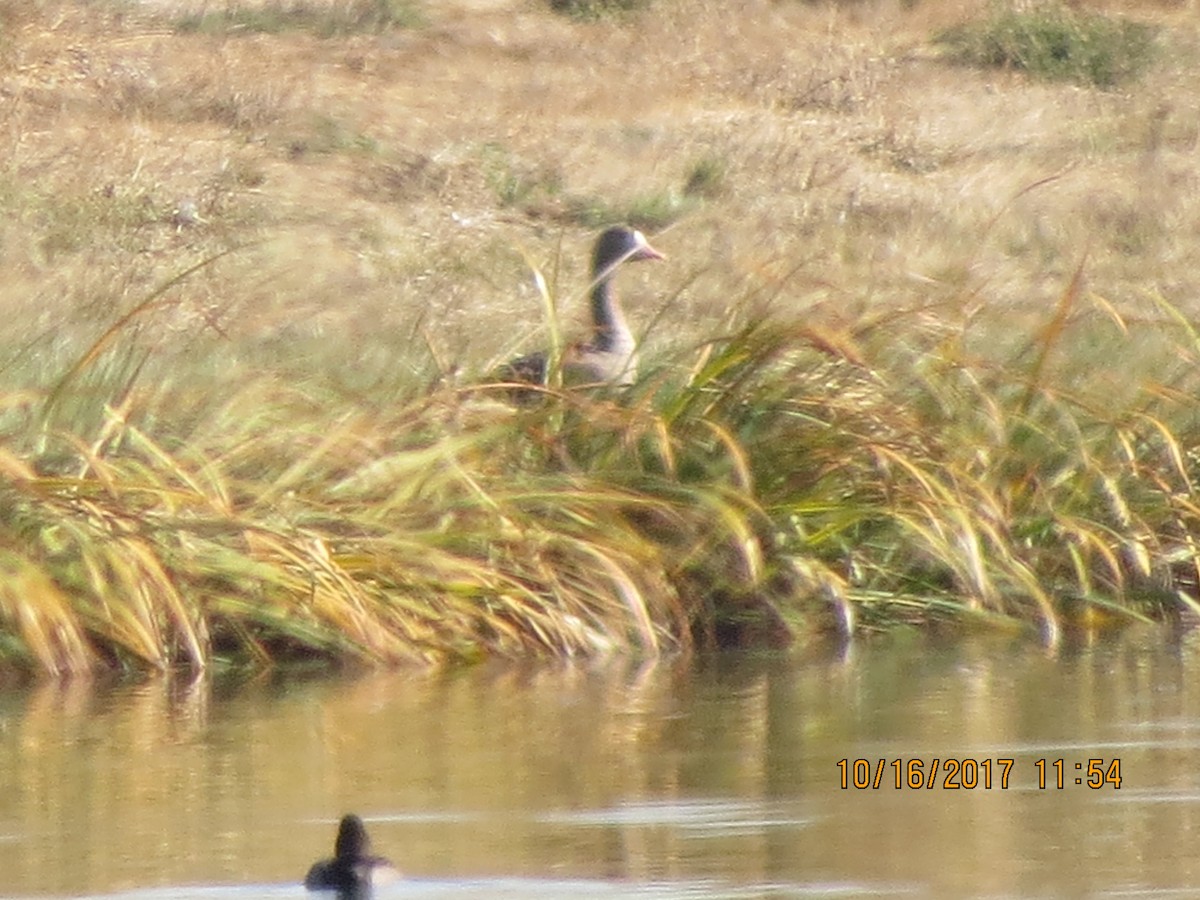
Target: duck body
[(609, 355), (353, 871)]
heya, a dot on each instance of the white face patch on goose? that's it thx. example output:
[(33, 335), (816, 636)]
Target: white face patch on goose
[(642, 248)]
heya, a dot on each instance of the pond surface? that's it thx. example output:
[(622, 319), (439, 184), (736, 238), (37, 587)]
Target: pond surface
[(720, 777)]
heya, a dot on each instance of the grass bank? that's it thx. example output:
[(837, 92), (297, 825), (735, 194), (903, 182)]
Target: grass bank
[(922, 352), (770, 484)]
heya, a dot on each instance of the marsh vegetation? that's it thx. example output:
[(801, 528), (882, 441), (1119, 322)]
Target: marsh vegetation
[(922, 352)]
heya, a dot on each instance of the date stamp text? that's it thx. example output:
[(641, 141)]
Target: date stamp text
[(968, 773)]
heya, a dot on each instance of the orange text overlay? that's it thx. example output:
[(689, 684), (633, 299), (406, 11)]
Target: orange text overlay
[(969, 773)]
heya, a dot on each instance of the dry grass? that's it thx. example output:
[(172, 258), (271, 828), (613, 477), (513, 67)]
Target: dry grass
[(383, 192), (407, 169)]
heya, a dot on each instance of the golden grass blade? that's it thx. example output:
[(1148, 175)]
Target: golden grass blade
[(153, 301), (1050, 337), (41, 614)]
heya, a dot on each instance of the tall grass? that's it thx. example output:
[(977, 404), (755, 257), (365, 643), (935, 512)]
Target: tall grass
[(774, 482), (258, 462)]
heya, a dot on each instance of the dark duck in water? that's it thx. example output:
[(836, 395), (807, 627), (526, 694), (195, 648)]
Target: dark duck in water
[(353, 871)]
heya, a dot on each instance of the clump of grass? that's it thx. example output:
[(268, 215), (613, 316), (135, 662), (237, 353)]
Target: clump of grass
[(651, 211), (518, 185), (325, 20), (67, 222), (326, 134), (1056, 43), (656, 210), (592, 10), (706, 178), (540, 192)]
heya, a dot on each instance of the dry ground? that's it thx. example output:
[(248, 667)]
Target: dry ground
[(398, 186)]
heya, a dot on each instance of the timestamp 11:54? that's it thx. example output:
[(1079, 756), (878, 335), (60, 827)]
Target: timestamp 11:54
[(1055, 773)]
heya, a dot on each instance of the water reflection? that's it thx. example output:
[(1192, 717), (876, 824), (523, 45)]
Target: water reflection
[(716, 778)]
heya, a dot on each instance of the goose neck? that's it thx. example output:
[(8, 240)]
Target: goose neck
[(608, 320)]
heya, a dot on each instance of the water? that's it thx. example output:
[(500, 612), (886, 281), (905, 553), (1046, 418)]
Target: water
[(718, 778)]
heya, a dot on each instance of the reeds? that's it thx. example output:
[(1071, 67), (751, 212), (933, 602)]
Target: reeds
[(771, 483)]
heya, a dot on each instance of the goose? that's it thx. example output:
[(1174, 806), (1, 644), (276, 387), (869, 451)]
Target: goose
[(353, 871), (609, 356)]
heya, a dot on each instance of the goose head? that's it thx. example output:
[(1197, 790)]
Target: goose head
[(618, 245)]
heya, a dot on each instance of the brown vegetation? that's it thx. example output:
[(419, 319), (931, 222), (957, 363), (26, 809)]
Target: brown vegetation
[(241, 254)]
